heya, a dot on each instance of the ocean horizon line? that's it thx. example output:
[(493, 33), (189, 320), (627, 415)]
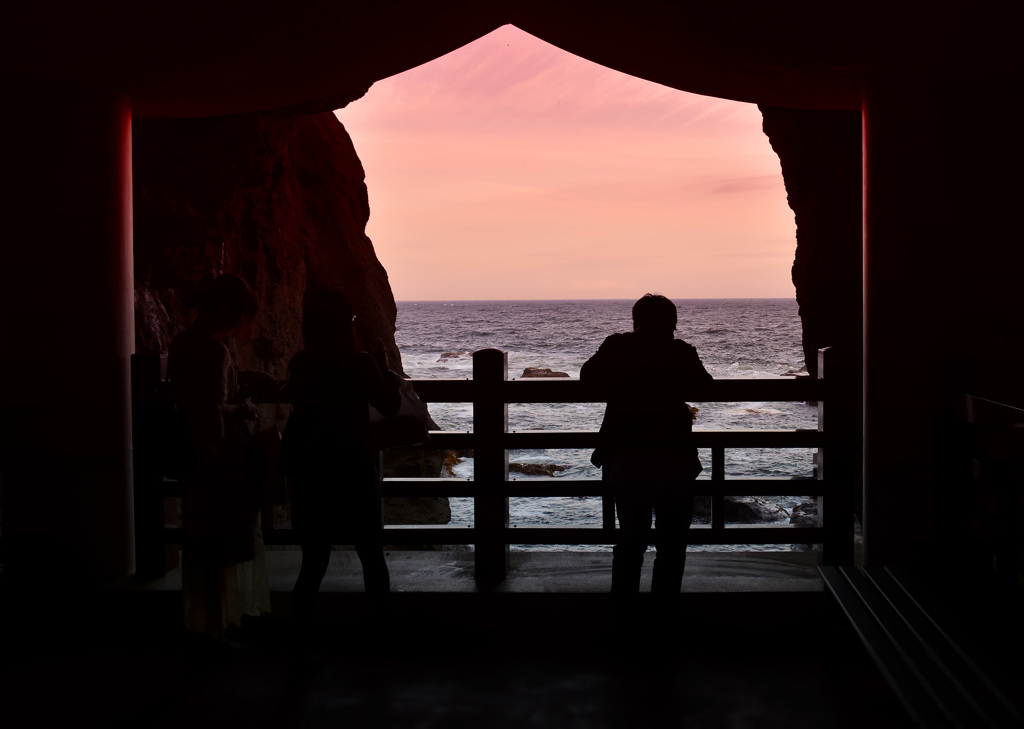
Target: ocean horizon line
[(493, 301)]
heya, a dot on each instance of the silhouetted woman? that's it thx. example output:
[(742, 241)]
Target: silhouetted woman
[(223, 566), (327, 452)]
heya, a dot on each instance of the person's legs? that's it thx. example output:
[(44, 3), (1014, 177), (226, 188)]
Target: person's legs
[(316, 509), (316, 555), (376, 578), (364, 520), (633, 509), (673, 508)]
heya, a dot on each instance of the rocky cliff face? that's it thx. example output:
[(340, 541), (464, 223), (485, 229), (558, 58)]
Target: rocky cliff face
[(820, 153), (278, 201)]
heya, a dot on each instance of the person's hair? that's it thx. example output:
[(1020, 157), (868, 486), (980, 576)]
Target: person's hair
[(654, 313), (229, 294), (327, 321)]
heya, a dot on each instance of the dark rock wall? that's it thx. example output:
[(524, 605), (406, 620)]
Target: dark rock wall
[(279, 201), (821, 155)]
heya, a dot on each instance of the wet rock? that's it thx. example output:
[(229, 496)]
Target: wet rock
[(742, 509), (805, 514), (536, 469), (451, 460), (542, 372), (412, 510)]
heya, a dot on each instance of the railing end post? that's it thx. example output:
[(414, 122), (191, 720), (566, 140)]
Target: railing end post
[(490, 465)]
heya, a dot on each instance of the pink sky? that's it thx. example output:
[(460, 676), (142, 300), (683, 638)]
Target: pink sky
[(510, 169)]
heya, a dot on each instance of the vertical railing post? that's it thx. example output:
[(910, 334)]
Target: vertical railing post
[(838, 461), (718, 497), (490, 465)]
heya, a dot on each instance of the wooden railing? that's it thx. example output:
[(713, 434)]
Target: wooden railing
[(490, 392)]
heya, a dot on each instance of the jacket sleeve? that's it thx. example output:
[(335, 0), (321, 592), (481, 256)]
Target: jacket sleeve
[(695, 368), (598, 372)]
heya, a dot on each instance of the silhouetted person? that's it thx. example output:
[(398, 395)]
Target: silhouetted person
[(646, 446), (333, 468), (223, 566)]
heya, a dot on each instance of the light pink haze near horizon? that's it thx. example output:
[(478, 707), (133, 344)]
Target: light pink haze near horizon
[(510, 169)]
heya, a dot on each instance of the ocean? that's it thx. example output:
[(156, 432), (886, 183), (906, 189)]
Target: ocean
[(734, 338)]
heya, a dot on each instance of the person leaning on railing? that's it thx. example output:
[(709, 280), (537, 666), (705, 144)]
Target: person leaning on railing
[(645, 445)]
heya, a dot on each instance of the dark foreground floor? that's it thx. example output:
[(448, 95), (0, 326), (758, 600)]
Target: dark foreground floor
[(753, 642), (527, 655), (422, 673)]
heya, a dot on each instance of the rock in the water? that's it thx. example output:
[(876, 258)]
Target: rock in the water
[(536, 469), (805, 514), (422, 510), (742, 509), (542, 372), (451, 460)]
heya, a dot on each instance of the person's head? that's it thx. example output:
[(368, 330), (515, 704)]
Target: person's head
[(228, 305), (654, 314), (327, 321)]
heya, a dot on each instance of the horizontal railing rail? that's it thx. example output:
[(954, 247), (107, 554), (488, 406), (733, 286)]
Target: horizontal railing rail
[(535, 439), (563, 389)]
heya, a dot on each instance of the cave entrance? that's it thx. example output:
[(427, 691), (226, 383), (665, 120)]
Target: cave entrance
[(509, 174), (510, 169)]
